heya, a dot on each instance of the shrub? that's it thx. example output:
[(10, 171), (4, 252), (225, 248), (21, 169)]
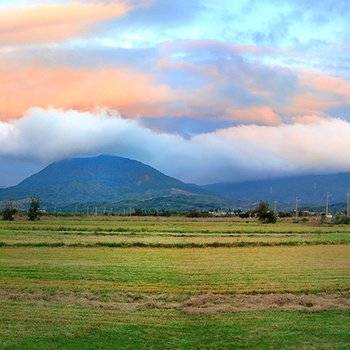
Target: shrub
[(8, 212), (264, 214), (341, 219)]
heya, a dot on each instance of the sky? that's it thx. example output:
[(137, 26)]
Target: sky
[(203, 90)]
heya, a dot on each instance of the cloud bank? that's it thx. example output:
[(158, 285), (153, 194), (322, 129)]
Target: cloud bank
[(230, 154)]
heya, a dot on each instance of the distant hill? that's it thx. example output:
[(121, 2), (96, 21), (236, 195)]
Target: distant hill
[(177, 202), (99, 179), (310, 189)]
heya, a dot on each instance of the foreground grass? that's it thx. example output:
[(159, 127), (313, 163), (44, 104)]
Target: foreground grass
[(87, 293), (55, 326), (220, 270)]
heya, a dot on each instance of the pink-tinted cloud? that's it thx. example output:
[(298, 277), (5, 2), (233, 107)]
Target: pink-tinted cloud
[(193, 83), (50, 23), (307, 119), (263, 114), (133, 93), (328, 84), (311, 103), (318, 93), (234, 82), (195, 45)]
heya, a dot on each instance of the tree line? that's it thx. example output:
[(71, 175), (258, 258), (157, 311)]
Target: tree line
[(34, 211)]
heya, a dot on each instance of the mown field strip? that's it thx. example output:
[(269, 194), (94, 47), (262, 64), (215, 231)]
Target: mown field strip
[(124, 238), (81, 235), (48, 325), (166, 225), (174, 245), (222, 270)]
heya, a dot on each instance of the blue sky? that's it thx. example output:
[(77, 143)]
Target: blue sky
[(245, 77)]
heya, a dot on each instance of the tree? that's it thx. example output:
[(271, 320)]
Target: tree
[(264, 213), (34, 210), (8, 212)]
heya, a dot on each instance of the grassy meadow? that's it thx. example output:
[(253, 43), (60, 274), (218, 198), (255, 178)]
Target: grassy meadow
[(173, 283)]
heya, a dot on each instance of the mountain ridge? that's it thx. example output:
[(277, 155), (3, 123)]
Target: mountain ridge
[(112, 179), (311, 189), (100, 178)]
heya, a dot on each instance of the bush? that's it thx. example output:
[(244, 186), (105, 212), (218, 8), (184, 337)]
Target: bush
[(8, 212), (264, 214), (341, 219)]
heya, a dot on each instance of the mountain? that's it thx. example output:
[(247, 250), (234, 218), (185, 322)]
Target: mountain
[(309, 189), (98, 179)]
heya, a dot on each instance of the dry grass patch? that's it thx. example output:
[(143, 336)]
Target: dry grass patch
[(211, 303), (194, 304)]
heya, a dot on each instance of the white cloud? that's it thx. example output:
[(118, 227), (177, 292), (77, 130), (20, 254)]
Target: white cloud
[(236, 153)]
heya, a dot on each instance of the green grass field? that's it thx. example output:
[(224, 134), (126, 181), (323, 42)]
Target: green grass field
[(150, 283)]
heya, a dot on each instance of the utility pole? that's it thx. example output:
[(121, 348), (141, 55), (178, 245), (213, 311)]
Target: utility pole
[(327, 202), (348, 204), (296, 207), (95, 211), (275, 207)]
